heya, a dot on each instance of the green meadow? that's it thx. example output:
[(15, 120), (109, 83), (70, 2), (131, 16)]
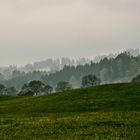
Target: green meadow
[(106, 112)]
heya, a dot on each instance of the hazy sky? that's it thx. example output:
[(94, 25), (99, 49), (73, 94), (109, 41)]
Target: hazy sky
[(32, 30)]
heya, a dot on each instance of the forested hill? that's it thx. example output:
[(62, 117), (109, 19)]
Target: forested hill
[(119, 69)]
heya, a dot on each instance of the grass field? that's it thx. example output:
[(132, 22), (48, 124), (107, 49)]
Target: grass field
[(109, 112)]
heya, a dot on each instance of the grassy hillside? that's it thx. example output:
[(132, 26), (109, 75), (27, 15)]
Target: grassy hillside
[(101, 112)]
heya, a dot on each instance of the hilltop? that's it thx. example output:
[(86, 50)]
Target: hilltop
[(100, 112), (115, 97)]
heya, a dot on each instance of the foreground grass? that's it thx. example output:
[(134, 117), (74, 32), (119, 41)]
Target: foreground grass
[(112, 125), (102, 112)]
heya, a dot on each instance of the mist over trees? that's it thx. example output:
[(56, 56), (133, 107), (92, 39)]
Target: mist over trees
[(53, 65), (121, 68), (7, 90)]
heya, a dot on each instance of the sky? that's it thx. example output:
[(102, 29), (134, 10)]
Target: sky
[(34, 30)]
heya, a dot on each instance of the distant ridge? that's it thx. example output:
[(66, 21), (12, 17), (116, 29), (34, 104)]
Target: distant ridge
[(52, 65)]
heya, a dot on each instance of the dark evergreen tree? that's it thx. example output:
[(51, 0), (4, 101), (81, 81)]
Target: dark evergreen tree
[(90, 80), (62, 86)]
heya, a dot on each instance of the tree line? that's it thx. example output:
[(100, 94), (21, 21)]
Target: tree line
[(122, 68), (119, 69), (35, 88)]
